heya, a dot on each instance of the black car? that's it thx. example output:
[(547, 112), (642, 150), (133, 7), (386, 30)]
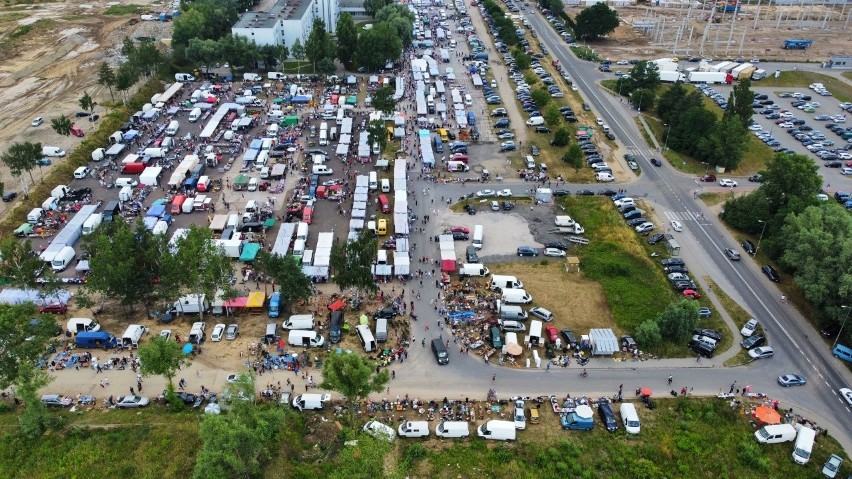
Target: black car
[(710, 333), (684, 285), (386, 313), (672, 262), (752, 341), (568, 335), (770, 273), (472, 254), (186, 397), (607, 416), (607, 192), (471, 210), (556, 244), (459, 236), (585, 193), (656, 162), (7, 197), (542, 129), (656, 238), (561, 193), (636, 221), (749, 248), (501, 123), (633, 213), (833, 164), (702, 349), (758, 178), (534, 151), (508, 205), (253, 227), (676, 269)]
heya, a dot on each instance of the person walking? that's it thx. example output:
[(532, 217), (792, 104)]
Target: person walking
[(493, 378), (670, 379)]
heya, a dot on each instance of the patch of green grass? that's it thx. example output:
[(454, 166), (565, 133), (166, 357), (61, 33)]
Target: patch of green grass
[(293, 67), (847, 75), (713, 199), (586, 53), (12, 17), (801, 79), (122, 10)]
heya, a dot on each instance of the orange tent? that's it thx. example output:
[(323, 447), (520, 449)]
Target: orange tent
[(766, 415)]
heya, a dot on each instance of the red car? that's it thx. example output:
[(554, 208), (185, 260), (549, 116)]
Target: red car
[(460, 229), (55, 308), (691, 294), (708, 178), (552, 334)]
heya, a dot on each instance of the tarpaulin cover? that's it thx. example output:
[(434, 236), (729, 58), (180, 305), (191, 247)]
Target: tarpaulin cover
[(249, 252)]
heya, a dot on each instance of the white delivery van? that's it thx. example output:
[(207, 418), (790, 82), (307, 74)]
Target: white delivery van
[(374, 182), (604, 177), (473, 269), (452, 429), (535, 121), (275, 75), (505, 282), (81, 172), (63, 259), (456, 166), (477, 236), (167, 144), (52, 151), (385, 185), (629, 417), (516, 296), (272, 130), (49, 204), (264, 173), (34, 216), (154, 152), (380, 431), (196, 332), (775, 433), (122, 182), (804, 445), (414, 429), (251, 77), (535, 332), (184, 77), (366, 337), (262, 159), (173, 127), (300, 337), (381, 330), (322, 170), (302, 231), (299, 321), (194, 115), (323, 137), (252, 184), (125, 194), (132, 335), (497, 430), (310, 401), (92, 223), (468, 100), (78, 325)]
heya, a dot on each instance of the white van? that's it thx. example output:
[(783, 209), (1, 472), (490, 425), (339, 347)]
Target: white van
[(50, 204), (504, 282), (535, 121), (468, 101), (194, 115), (184, 77), (122, 182), (302, 231), (477, 236), (414, 429), (374, 183), (34, 216), (381, 330), (300, 337), (272, 130), (63, 259), (52, 151), (81, 172), (385, 185), (79, 325), (132, 335), (516, 296), (457, 166), (252, 184), (366, 337), (629, 417), (473, 269), (452, 429), (604, 177), (535, 332), (172, 129), (299, 321), (775, 433), (264, 173), (380, 431), (497, 430), (322, 170), (310, 401), (251, 77), (804, 445)]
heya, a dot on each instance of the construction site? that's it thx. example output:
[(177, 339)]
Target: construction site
[(785, 30)]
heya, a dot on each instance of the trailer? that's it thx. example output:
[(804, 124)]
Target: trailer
[(738, 70), (218, 223), (793, 44), (746, 74), (719, 66), (709, 77), (671, 76)]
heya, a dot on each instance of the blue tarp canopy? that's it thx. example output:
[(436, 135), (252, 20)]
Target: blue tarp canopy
[(156, 211), (301, 99), (150, 222), (249, 252), (131, 134), (256, 144), (250, 155)]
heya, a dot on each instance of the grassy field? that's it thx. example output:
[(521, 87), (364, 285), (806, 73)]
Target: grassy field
[(123, 10), (713, 199), (801, 79), (682, 438)]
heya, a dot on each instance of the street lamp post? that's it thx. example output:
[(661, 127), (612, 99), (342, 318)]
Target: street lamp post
[(761, 236), (668, 131), (706, 166), (849, 310)]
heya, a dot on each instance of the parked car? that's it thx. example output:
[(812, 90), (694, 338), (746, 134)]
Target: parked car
[(752, 341), (541, 313), (788, 380), (762, 352), (770, 273), (56, 400), (131, 401), (832, 466), (708, 178), (527, 251), (709, 333), (554, 252), (749, 328), (232, 332), (218, 332), (704, 312), (7, 197), (749, 247)]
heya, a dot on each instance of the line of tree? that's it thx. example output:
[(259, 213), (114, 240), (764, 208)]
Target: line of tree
[(503, 25), (810, 239)]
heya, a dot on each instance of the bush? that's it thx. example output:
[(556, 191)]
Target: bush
[(561, 137)]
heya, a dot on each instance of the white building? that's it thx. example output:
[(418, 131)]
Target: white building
[(353, 7), (286, 21)]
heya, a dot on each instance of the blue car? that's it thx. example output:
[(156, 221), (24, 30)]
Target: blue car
[(527, 251)]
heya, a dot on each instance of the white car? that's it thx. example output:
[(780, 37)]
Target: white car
[(218, 332), (132, 401), (380, 431), (484, 193), (166, 334), (755, 127), (749, 327), (520, 415), (504, 193), (557, 253), (727, 182), (846, 394), (599, 121), (846, 170), (676, 225), (37, 121), (645, 227), (762, 352)]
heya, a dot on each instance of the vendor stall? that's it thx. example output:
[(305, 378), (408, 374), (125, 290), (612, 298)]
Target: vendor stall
[(255, 302)]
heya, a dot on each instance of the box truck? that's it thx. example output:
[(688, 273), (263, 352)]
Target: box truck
[(709, 77)]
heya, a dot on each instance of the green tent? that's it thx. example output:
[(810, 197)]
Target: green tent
[(352, 100), (249, 252), (240, 182), (291, 121), (24, 230), (269, 223), (278, 101)]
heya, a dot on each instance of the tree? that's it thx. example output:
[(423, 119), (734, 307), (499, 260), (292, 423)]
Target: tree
[(347, 39), (739, 102), (353, 377), (645, 75), (202, 52), (678, 320), (352, 262), (643, 98), (728, 140), (22, 157), (383, 100), (271, 54), (237, 50), (298, 52), (404, 29), (373, 6), (692, 126), (319, 44), (522, 60), (62, 125), (106, 77), (326, 66), (87, 103), (561, 137), (552, 116), (596, 21), (128, 278), (19, 265), (574, 156), (287, 273), (124, 79), (648, 333), (34, 419), (670, 102), (790, 178), (377, 133), (377, 45), (540, 97), (161, 357)]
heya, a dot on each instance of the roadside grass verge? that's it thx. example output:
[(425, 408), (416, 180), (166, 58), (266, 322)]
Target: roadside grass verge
[(122, 10), (483, 204), (739, 316), (713, 199), (801, 79)]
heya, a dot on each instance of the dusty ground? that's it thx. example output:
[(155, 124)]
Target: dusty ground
[(45, 72), (764, 41)]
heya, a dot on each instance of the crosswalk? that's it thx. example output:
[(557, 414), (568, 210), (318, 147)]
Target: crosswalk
[(682, 215)]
